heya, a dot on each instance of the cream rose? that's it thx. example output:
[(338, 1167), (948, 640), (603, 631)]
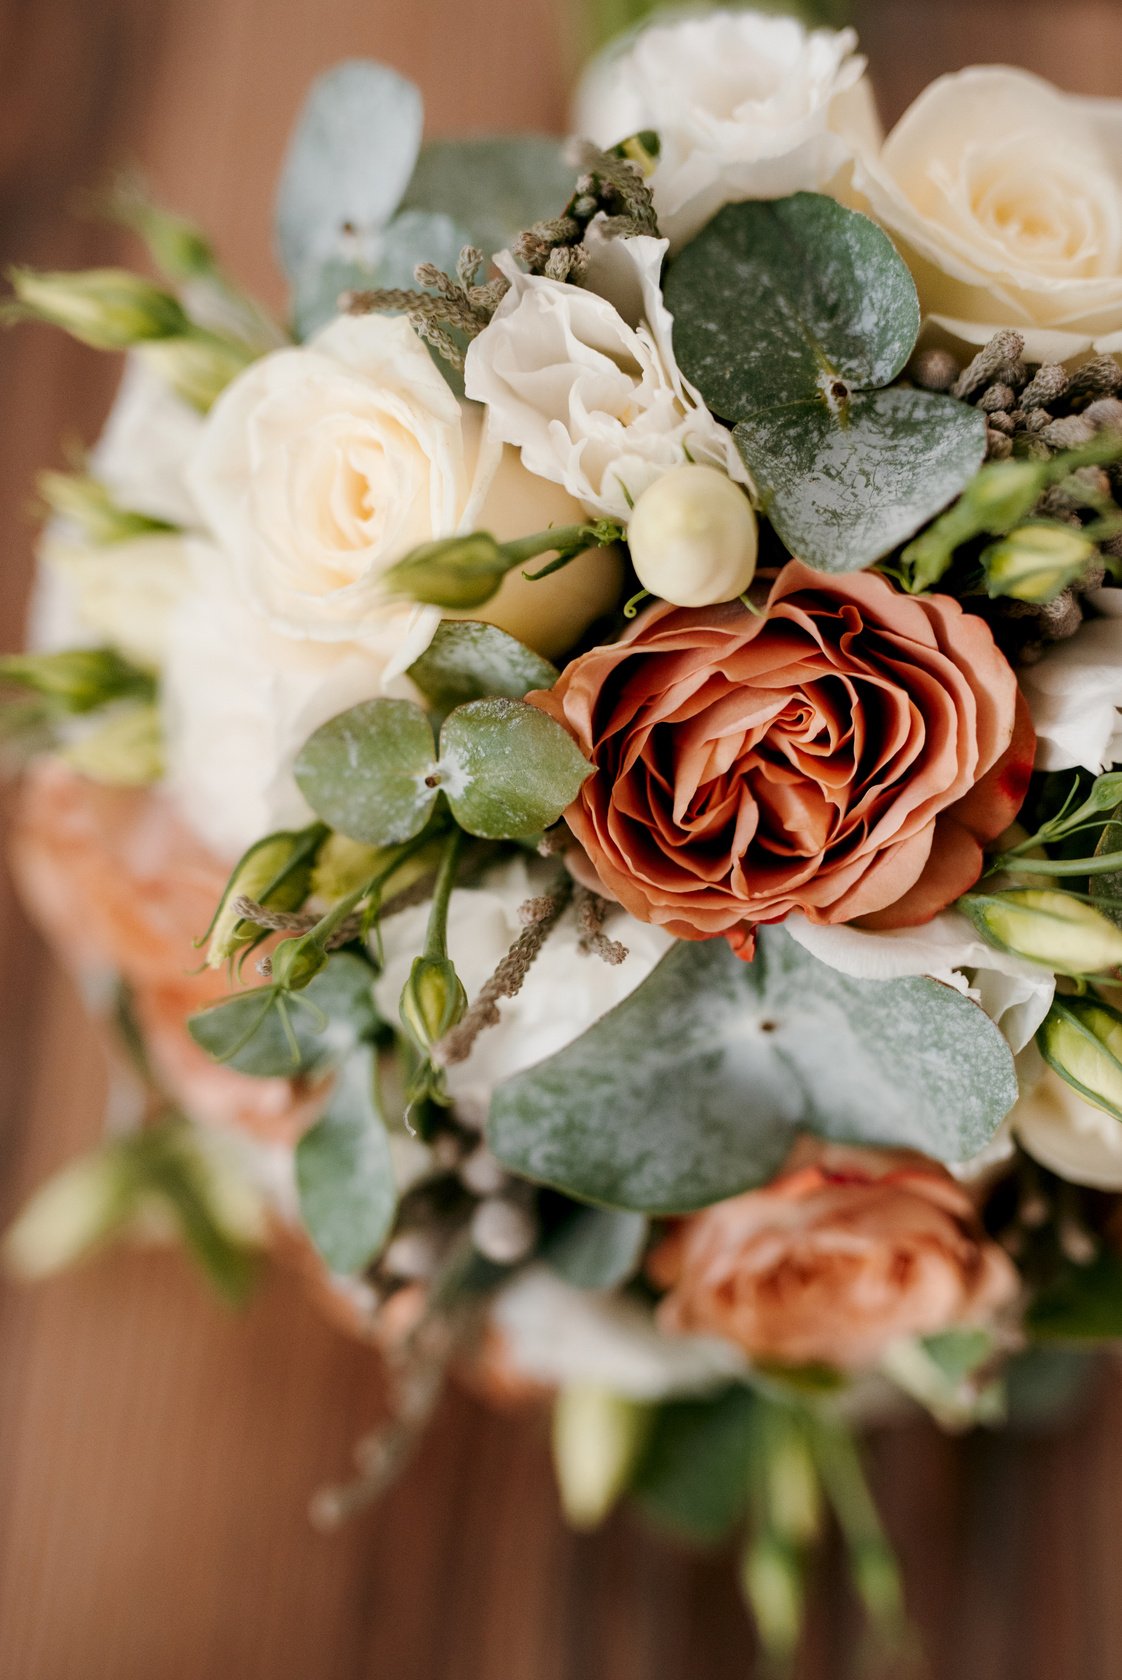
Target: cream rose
[(582, 380), (745, 105), (1005, 196), (322, 465)]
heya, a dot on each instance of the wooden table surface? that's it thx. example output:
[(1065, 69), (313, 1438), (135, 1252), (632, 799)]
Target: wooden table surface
[(156, 1451)]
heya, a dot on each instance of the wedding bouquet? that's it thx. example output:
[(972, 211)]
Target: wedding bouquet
[(583, 762)]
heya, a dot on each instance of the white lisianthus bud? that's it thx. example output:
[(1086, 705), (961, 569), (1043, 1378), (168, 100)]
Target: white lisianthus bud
[(597, 1439), (1082, 1040), (693, 537), (1036, 561)]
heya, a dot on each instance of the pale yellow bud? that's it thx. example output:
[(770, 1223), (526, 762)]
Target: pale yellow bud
[(1082, 1040), (597, 1439), (124, 750), (693, 537), (1047, 926)]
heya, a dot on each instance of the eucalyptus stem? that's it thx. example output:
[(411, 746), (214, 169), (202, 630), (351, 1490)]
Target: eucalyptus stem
[(436, 933)]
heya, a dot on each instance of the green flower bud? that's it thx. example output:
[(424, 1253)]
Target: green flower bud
[(73, 1213), (199, 365), (177, 246), (1036, 561), (275, 872), (1004, 493), (456, 573), (1082, 1039), (597, 1440), (124, 750), (432, 1001), (76, 680), (106, 308), (296, 962), (86, 503), (1047, 926)]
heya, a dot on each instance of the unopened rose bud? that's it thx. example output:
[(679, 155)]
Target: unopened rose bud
[(1082, 1039), (1047, 926), (598, 1437), (75, 680), (86, 503), (124, 749), (1036, 561), (693, 537), (106, 308), (456, 573), (432, 1001)]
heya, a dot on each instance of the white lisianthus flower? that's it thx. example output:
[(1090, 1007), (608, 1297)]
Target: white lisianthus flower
[(582, 380), (745, 105), (1005, 197), (240, 701), (1075, 693), (563, 1337), (1069, 1135), (124, 592), (565, 991), (1016, 994), (322, 465)]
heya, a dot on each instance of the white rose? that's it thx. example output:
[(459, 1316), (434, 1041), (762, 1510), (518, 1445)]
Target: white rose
[(1075, 693), (1069, 1135), (745, 105), (1015, 994), (322, 465), (586, 385), (239, 703), (146, 447), (563, 1337), (564, 992), (1005, 196)]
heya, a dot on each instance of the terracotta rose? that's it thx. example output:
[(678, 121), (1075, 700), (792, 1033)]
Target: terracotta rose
[(847, 1251), (846, 753)]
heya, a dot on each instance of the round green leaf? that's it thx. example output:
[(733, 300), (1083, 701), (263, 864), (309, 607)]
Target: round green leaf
[(777, 302), (508, 770), (344, 1172), (326, 1020), (365, 772), (493, 186), (842, 497), (467, 660), (691, 1090), (349, 161)]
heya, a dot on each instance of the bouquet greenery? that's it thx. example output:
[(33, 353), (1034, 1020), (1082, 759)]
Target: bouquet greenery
[(586, 760)]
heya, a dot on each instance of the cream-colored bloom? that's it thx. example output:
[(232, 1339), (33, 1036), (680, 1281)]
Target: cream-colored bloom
[(1069, 1135), (564, 992), (558, 1335), (1075, 693), (239, 703), (124, 593), (1005, 196), (693, 537), (745, 105), (322, 465), (582, 379), (1015, 993)]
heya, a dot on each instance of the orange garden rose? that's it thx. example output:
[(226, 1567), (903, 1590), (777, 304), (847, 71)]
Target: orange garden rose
[(846, 753), (847, 1251)]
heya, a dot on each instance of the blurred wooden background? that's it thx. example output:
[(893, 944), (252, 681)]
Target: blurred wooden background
[(157, 1452)]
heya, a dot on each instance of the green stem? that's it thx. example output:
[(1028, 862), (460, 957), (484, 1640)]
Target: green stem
[(1107, 864), (436, 934)]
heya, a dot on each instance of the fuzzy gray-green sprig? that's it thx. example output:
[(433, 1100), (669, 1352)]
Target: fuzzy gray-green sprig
[(442, 305)]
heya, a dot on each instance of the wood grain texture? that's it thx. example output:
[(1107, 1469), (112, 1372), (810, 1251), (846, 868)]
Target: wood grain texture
[(157, 1452)]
